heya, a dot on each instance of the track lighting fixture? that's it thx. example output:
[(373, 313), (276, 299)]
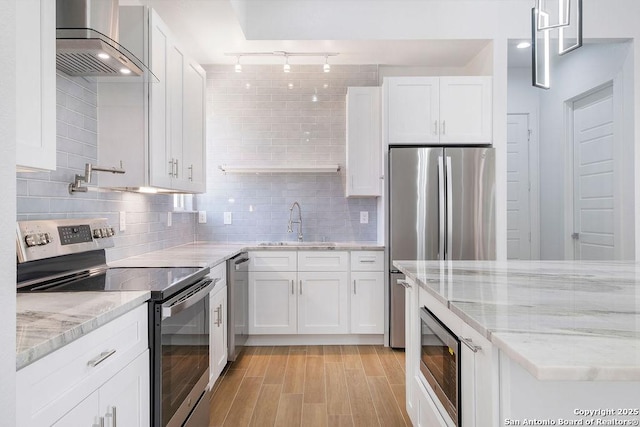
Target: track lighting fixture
[(287, 67), (326, 67)]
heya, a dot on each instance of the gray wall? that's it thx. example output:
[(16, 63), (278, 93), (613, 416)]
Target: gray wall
[(44, 195), (266, 116)]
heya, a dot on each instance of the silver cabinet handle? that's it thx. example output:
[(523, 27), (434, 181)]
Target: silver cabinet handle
[(217, 311), (112, 415), (367, 261), (404, 283), (101, 421), (100, 358), (300, 287), (435, 127), (176, 175), (441, 207), (190, 173), (354, 287), (469, 343), (292, 291), (220, 315), (444, 127), (449, 243), (171, 165)]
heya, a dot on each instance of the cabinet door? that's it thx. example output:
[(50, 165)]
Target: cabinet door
[(412, 108), (84, 414), (36, 85), (364, 149), (367, 303), (161, 166), (272, 302), (322, 303), (465, 110), (124, 399), (194, 125), (218, 345), (175, 80)]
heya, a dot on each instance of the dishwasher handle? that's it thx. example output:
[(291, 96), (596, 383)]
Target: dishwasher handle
[(240, 261)]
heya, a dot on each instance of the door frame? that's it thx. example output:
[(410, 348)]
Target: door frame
[(534, 180), (569, 108)]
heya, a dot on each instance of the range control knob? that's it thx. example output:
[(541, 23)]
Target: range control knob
[(97, 233), (30, 240), (111, 232)]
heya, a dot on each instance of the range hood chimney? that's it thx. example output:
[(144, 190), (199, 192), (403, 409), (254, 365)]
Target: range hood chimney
[(87, 41)]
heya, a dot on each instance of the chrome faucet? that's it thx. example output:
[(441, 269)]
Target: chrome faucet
[(299, 221)]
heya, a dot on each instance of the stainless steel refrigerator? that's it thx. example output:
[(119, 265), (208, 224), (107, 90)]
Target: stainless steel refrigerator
[(441, 207)]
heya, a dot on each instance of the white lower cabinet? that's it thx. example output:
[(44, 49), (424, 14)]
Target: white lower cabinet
[(272, 302), (101, 378), (218, 333), (322, 303), (310, 292), (412, 340)]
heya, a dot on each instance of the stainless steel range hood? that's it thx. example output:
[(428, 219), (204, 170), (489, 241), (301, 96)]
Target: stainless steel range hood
[(87, 41)]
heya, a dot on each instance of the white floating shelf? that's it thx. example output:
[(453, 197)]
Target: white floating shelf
[(280, 169)]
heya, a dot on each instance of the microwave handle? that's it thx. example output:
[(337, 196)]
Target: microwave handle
[(469, 343), (171, 308)]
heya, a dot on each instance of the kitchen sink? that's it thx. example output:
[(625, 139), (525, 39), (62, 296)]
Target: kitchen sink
[(288, 243)]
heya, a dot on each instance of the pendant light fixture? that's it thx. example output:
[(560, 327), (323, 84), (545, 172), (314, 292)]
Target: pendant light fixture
[(238, 66)]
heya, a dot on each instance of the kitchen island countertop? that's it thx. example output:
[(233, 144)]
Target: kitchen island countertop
[(560, 320)]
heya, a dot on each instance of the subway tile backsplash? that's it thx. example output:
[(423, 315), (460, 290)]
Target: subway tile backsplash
[(264, 116), (44, 195)]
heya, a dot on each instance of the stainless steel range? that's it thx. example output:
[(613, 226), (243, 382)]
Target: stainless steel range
[(69, 255)]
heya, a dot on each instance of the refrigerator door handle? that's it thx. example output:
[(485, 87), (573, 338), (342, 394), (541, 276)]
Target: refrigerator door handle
[(441, 208), (449, 185)]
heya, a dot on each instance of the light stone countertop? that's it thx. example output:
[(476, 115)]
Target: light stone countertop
[(210, 254), (47, 321), (561, 320)]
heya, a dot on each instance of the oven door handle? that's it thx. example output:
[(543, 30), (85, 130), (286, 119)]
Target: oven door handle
[(171, 308)]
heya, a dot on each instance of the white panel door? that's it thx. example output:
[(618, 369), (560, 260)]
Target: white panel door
[(272, 302), (367, 302), (322, 303), (518, 188), (194, 126), (466, 110), (594, 178), (125, 399), (218, 344), (413, 110)]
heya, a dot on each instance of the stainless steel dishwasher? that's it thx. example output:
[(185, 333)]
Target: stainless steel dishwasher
[(237, 303)]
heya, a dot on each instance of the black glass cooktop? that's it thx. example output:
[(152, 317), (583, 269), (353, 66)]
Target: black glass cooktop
[(161, 282)]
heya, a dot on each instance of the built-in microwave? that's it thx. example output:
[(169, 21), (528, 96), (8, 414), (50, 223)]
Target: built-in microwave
[(440, 366)]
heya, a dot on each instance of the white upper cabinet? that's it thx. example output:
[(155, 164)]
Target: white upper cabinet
[(439, 110), (412, 108), (36, 85), (157, 130), (364, 149), (465, 110)]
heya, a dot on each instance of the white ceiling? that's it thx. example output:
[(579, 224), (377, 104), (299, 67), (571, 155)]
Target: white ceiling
[(210, 28)]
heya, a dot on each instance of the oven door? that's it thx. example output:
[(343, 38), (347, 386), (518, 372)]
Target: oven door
[(440, 366), (181, 354)]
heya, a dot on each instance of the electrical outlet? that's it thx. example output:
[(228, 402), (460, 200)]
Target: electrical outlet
[(202, 217), (123, 220), (227, 218), (169, 219), (364, 217)]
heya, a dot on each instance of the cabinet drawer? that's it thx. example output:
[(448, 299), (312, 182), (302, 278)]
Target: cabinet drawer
[(322, 261), (273, 261), (55, 383), (367, 261), (219, 272)]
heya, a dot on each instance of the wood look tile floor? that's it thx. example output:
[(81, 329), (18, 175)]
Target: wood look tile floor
[(309, 386)]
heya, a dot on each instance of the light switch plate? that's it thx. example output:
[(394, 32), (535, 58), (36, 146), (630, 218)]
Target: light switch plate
[(169, 219), (123, 221), (202, 217), (227, 218), (364, 217)]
